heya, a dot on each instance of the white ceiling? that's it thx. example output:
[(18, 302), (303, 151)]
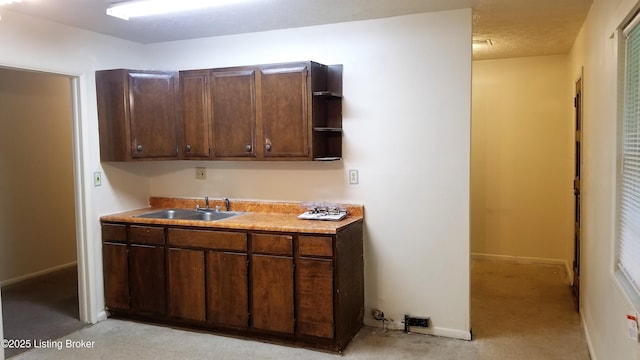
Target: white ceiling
[(516, 27)]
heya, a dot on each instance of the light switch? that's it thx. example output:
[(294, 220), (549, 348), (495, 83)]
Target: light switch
[(97, 178)]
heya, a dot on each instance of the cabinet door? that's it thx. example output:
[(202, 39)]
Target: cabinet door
[(227, 289), (116, 276), (152, 98), (272, 293), (147, 279), (284, 102), (233, 113), (186, 284), (314, 294), (194, 95)]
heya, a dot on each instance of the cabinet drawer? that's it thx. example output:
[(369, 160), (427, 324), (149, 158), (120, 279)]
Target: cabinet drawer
[(218, 240), (272, 244), (114, 232), (146, 235), (315, 246)]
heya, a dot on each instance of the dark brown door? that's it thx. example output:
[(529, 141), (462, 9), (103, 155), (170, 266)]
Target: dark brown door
[(227, 289), (233, 100), (314, 294), (147, 279), (576, 192), (272, 296), (284, 112), (116, 276), (186, 284), (194, 95), (152, 101)]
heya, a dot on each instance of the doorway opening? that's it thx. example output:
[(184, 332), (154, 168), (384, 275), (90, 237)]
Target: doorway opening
[(39, 172)]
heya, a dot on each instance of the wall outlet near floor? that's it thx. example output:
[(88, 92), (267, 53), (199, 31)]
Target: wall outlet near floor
[(201, 173), (410, 321)]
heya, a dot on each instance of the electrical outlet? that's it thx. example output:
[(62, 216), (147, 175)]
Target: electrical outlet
[(410, 321), (353, 177), (632, 326), (97, 178), (201, 173)]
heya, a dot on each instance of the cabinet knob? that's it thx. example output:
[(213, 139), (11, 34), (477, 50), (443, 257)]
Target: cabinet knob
[(248, 147), (188, 148), (139, 147)]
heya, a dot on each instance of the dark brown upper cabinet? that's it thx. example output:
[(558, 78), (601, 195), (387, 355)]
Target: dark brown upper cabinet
[(195, 114), (289, 111), (284, 111), (137, 114), (233, 116)]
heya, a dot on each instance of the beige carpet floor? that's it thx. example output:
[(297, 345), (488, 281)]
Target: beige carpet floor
[(41, 308), (518, 312)]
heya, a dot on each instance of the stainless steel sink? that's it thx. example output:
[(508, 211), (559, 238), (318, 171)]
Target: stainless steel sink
[(186, 214)]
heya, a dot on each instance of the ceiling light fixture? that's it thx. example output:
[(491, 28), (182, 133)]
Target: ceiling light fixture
[(128, 9)]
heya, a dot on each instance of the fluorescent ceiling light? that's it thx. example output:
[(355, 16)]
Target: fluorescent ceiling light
[(128, 9)]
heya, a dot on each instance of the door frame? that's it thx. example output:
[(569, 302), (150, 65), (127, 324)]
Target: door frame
[(85, 250), (577, 186)]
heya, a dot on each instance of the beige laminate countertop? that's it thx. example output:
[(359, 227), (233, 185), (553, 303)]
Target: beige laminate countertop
[(258, 216)]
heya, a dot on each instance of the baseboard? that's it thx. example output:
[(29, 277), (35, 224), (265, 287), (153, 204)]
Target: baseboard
[(525, 260), (102, 315), (592, 355), (518, 259), (37, 273), (435, 331)]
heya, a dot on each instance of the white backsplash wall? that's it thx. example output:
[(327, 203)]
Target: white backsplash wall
[(406, 119), (273, 180)]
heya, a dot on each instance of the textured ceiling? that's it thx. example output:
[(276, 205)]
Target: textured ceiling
[(527, 28), (516, 27)]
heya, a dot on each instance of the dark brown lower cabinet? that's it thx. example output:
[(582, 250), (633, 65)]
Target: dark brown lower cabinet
[(298, 288), (147, 279), (314, 294), (116, 276), (186, 284), (272, 296), (227, 289)]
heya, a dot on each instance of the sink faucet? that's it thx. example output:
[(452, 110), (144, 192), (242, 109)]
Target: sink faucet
[(206, 204), (226, 203)]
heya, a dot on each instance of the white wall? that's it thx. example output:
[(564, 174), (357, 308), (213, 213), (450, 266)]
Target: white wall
[(30, 43), (406, 129), (36, 173), (603, 305), (522, 159)]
